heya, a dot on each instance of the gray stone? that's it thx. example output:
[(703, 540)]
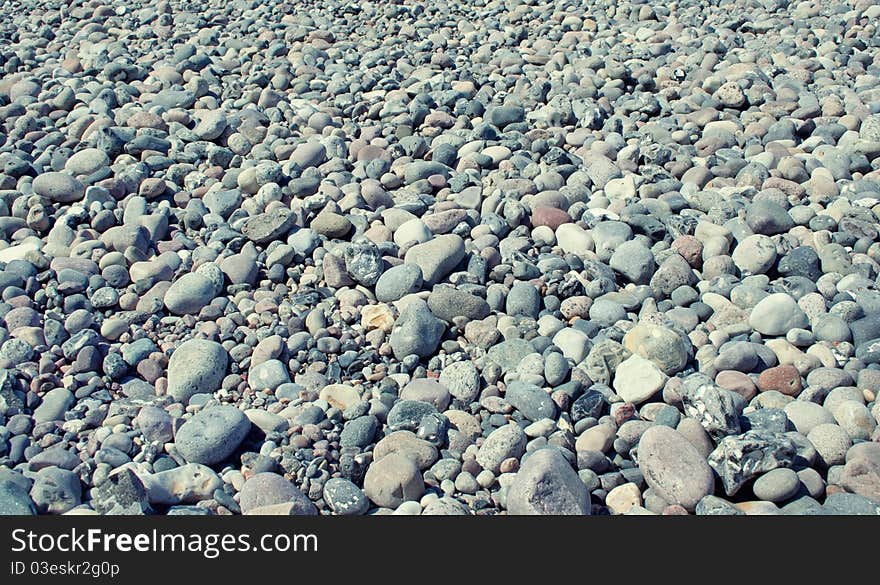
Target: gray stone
[(462, 380), (155, 424), (212, 435), (392, 480), (777, 314), (268, 375), (56, 491), (345, 498), (634, 261), (58, 187), (777, 485), (189, 294), (363, 261), (674, 468), (712, 406), (397, 282), (547, 485), (359, 432), (121, 494), (408, 414), (533, 402), (756, 254), (55, 404), (504, 442), (437, 258), (267, 227), (197, 366), (187, 484), (523, 299), (416, 331), (268, 489), (831, 443), (768, 218), (508, 354), (422, 169), (638, 379), (15, 500), (844, 504), (447, 303)]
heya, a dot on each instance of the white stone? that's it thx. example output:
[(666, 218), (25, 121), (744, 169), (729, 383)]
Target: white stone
[(638, 379)]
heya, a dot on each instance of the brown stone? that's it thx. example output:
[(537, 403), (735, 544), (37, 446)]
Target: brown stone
[(862, 476), (785, 379), (550, 217), (392, 480), (690, 248)]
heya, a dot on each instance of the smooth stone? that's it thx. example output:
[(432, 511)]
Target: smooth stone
[(546, 484), (187, 484), (268, 375), (501, 444), (392, 480), (777, 485), (397, 282), (345, 498), (437, 258), (58, 187), (638, 379), (776, 314), (267, 489), (212, 435), (197, 366), (674, 468)]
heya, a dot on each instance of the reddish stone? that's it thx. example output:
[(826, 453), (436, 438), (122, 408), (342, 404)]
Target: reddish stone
[(152, 187), (862, 476), (550, 217), (437, 181), (674, 510), (509, 465), (736, 382), (562, 400), (690, 248), (149, 370), (785, 379)]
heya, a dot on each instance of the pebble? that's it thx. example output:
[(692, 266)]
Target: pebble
[(270, 489), (508, 441), (638, 379), (437, 257), (212, 435), (777, 485), (416, 332), (398, 281), (831, 443), (777, 314), (673, 468), (56, 491), (670, 231), (547, 485), (393, 480), (197, 366), (58, 187), (345, 498)]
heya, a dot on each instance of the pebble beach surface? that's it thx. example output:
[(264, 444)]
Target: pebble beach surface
[(475, 257)]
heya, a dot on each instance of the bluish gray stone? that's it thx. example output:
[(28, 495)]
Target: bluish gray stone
[(546, 484), (345, 498), (197, 366), (212, 435), (533, 402), (397, 282), (416, 331)]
